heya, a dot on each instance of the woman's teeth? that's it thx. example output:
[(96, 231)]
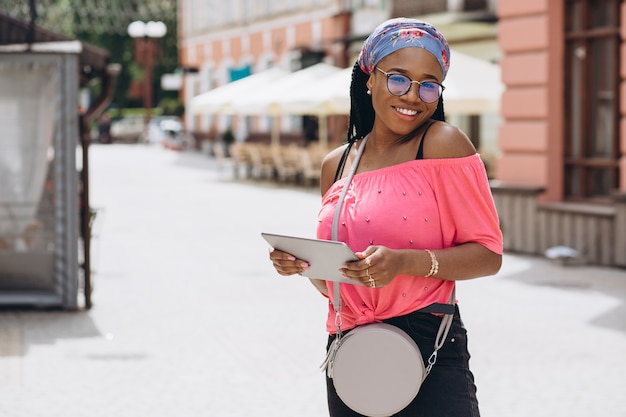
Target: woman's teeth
[(406, 111)]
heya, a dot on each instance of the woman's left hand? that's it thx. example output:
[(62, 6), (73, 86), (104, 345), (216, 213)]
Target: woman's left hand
[(377, 266)]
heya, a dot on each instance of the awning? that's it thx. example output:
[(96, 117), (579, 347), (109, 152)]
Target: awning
[(220, 100), (269, 98), (473, 86), (327, 96)]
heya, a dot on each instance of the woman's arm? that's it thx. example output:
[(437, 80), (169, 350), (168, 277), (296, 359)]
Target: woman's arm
[(462, 262), (329, 168), (466, 261)]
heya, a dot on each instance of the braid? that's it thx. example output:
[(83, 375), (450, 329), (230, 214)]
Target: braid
[(439, 113), (361, 109)]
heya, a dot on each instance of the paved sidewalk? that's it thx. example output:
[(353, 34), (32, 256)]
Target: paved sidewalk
[(189, 318)]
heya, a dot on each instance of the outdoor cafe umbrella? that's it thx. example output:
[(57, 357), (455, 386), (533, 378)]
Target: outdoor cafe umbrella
[(266, 97), (473, 86), (258, 94), (326, 96), (220, 99)]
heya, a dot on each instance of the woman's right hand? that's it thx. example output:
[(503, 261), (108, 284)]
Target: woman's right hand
[(287, 264)]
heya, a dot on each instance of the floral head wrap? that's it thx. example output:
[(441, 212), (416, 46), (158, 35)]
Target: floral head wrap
[(399, 33)]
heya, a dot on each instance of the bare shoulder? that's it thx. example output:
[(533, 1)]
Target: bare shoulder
[(329, 168), (446, 141)]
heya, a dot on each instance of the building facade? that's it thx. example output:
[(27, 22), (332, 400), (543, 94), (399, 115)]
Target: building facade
[(223, 41), (561, 173)]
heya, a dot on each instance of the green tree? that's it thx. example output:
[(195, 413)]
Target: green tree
[(103, 23)]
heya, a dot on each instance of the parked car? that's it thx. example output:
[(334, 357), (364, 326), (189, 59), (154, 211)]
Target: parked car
[(128, 129), (169, 132), (160, 127)]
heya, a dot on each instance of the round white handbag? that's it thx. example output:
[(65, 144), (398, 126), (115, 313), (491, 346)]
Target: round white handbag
[(377, 370)]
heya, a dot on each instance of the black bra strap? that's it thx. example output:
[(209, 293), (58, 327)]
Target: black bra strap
[(342, 161), (420, 150)]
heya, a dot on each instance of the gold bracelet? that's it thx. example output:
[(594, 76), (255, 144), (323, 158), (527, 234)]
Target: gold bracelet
[(434, 264)]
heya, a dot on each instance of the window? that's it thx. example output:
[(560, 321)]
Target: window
[(591, 99)]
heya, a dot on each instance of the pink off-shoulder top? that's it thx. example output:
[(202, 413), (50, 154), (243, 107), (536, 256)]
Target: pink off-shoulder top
[(420, 204)]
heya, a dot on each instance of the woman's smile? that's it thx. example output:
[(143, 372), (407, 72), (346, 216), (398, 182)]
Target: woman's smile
[(405, 112)]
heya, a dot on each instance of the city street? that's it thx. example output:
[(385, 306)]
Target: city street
[(190, 319)]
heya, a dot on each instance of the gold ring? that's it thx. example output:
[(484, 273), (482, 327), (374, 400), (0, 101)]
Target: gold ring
[(371, 278)]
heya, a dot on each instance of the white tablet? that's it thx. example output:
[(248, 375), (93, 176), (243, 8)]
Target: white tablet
[(324, 256)]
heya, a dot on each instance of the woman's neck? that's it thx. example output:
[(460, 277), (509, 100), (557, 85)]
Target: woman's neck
[(385, 139)]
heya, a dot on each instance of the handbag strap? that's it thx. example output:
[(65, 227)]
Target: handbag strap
[(446, 321), (327, 365), (335, 230)]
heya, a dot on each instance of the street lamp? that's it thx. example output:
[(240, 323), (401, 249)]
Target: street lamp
[(146, 36)]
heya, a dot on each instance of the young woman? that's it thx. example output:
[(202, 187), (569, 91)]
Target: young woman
[(418, 211)]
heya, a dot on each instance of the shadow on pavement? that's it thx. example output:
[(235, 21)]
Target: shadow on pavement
[(608, 281)]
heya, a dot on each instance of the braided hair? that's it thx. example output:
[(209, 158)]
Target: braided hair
[(362, 112)]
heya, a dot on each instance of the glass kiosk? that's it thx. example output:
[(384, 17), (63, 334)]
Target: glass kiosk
[(39, 184)]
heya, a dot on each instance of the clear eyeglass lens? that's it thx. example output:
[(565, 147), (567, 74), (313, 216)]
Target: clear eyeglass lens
[(399, 85), (429, 92)]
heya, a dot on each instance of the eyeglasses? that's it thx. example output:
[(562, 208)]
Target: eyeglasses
[(399, 85)]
